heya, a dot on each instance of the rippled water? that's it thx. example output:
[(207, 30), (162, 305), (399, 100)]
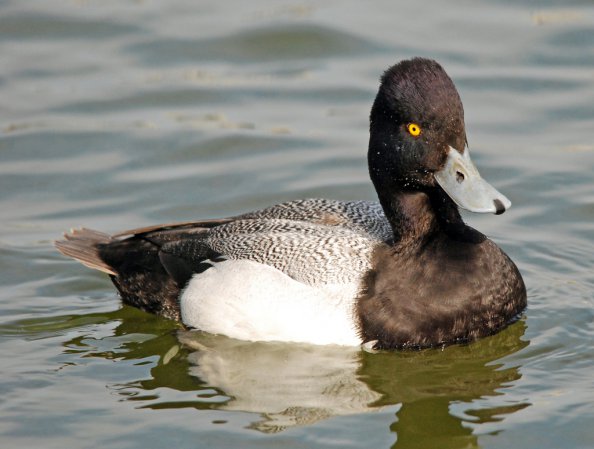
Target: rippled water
[(121, 114)]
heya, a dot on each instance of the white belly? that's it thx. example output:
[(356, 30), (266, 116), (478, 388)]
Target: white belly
[(251, 301)]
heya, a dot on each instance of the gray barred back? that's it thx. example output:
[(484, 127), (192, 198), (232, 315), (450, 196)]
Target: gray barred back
[(366, 217), (313, 241)]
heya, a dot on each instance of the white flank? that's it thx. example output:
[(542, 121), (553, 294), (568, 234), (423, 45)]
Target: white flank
[(251, 301)]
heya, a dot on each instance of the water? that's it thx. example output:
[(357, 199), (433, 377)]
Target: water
[(121, 114)]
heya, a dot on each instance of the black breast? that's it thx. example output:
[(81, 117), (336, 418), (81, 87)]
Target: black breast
[(443, 291)]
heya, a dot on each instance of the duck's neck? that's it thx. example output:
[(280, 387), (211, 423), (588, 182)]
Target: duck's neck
[(417, 216)]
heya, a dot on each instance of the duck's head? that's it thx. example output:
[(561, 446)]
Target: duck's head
[(418, 139)]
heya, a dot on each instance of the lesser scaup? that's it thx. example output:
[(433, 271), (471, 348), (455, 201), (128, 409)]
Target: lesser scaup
[(402, 273)]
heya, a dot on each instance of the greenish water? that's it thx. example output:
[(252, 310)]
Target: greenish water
[(122, 114)]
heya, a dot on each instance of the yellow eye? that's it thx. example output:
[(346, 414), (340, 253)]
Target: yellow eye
[(413, 129)]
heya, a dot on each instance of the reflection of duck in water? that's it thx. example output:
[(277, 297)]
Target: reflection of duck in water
[(295, 384), (291, 384), (435, 394), (406, 272)]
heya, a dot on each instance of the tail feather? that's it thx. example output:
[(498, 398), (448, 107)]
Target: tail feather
[(149, 268), (81, 244)]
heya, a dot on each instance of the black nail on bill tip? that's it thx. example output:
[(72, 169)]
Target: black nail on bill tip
[(499, 207)]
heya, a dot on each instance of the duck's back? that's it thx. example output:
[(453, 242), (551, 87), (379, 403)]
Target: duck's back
[(366, 217)]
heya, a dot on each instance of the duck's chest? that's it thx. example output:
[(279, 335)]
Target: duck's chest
[(447, 293), (248, 300)]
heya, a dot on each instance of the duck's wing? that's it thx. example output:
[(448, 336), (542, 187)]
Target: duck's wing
[(307, 252), (365, 217), (311, 240)]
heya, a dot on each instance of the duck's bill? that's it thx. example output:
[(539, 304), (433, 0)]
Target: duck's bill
[(460, 179)]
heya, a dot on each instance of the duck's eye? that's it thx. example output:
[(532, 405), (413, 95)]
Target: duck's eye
[(413, 129)]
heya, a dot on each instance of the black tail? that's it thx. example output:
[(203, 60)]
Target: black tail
[(146, 268)]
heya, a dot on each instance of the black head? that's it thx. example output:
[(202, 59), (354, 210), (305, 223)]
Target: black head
[(417, 115)]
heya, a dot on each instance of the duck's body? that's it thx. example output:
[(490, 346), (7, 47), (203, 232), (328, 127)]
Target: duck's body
[(404, 272)]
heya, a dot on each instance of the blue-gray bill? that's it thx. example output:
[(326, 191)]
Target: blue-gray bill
[(460, 179)]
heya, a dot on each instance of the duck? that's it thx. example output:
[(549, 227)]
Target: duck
[(404, 272)]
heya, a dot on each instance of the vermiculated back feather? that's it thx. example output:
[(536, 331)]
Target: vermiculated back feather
[(307, 252), (365, 217)]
